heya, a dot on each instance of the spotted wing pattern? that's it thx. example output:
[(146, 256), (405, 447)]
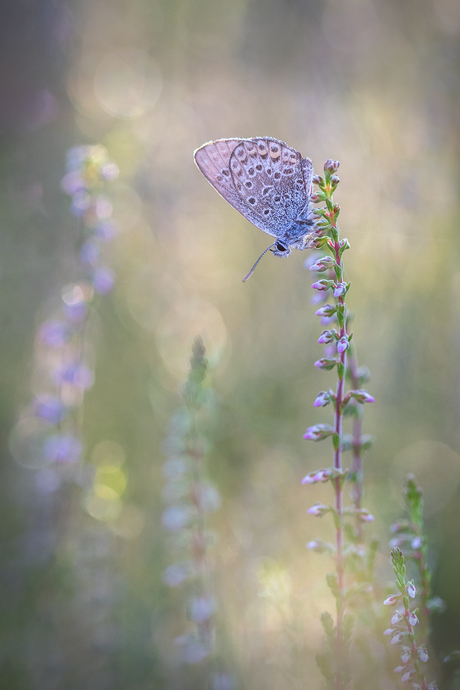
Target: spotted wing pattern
[(262, 178), (268, 175)]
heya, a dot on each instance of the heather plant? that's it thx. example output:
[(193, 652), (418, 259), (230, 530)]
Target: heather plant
[(348, 552), (63, 357), (411, 624), (190, 497)]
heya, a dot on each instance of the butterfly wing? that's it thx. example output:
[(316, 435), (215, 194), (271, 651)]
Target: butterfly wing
[(213, 159), (262, 178), (269, 177)]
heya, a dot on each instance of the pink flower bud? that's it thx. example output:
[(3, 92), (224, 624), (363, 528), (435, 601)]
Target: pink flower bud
[(410, 589), (340, 289), (413, 620), (416, 543), (408, 676), (322, 285), (331, 166), (405, 655), (389, 631), (422, 654), (396, 617), (392, 600), (319, 509), (398, 638), (366, 516), (326, 337), (317, 179), (327, 310), (343, 344), (400, 669), (322, 399)]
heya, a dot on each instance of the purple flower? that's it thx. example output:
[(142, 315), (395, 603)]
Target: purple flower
[(323, 285), (318, 509), (322, 399), (318, 432), (398, 638), (62, 448), (343, 344), (50, 408), (90, 253), (81, 201), (176, 517), (53, 333), (410, 589), (72, 183), (413, 620), (327, 337), (422, 654), (79, 375), (76, 313), (103, 280), (331, 166), (407, 676), (106, 231), (327, 310), (340, 289)]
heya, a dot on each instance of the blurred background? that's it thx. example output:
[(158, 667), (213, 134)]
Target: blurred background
[(84, 601)]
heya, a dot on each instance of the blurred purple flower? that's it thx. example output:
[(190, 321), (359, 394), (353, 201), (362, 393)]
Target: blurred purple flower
[(103, 280), (50, 408), (62, 448), (90, 253), (53, 333)]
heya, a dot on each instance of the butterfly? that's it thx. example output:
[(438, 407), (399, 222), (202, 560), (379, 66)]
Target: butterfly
[(268, 182)]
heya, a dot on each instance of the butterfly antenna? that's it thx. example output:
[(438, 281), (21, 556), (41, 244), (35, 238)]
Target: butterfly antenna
[(254, 267)]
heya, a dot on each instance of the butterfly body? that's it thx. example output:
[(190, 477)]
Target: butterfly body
[(268, 182)]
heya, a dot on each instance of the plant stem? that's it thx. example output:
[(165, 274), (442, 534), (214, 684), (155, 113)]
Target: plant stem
[(338, 481)]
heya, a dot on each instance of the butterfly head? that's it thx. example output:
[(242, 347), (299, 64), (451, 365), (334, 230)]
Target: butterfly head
[(280, 248)]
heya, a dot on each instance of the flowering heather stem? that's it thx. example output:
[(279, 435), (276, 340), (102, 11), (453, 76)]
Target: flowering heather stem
[(404, 621), (326, 236)]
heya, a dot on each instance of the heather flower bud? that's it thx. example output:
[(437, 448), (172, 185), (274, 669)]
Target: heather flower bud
[(331, 166), (327, 337), (335, 179), (323, 285), (327, 310), (323, 399), (422, 653), (322, 264), (412, 618), (317, 179), (400, 669), (398, 638), (318, 509), (317, 476), (365, 515), (318, 432), (396, 617), (326, 363), (405, 655), (410, 589), (340, 289), (392, 600), (343, 344), (361, 396), (408, 676), (416, 542), (389, 631)]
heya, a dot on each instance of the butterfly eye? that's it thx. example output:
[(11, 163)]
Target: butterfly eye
[(280, 247)]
